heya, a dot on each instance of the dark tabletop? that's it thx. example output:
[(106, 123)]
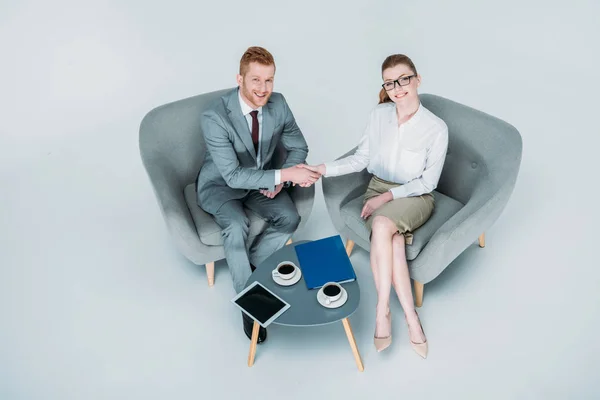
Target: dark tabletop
[(304, 309)]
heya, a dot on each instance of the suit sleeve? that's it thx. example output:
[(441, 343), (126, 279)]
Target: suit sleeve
[(225, 158), (292, 139)]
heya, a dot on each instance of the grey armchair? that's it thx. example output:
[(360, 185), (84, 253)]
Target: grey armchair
[(172, 150), (480, 171)]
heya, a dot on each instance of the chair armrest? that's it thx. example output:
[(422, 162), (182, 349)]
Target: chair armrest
[(461, 230), (339, 190), (170, 196)]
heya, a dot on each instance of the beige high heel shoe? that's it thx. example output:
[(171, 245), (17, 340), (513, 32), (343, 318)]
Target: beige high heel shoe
[(420, 348), (382, 343)]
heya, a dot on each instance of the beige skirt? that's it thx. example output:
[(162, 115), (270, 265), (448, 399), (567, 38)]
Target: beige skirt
[(408, 213)]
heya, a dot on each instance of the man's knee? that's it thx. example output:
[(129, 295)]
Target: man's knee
[(237, 228), (287, 221)]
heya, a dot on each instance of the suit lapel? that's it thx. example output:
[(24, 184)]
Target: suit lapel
[(267, 131), (239, 122)]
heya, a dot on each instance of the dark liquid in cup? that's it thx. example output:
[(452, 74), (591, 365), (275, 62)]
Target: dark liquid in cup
[(286, 269), (331, 290)]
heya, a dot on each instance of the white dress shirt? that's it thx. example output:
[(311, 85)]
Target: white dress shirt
[(411, 154), (246, 110)]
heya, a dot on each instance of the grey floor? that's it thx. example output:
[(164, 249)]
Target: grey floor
[(96, 303)]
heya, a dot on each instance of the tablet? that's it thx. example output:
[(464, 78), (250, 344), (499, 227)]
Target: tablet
[(260, 304)]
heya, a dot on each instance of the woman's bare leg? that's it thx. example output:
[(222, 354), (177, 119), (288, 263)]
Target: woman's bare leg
[(401, 281), (381, 255)]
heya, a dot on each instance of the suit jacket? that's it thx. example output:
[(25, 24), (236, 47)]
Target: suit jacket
[(229, 170)]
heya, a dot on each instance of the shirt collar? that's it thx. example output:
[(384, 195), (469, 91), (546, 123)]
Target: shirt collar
[(246, 109), (413, 120)]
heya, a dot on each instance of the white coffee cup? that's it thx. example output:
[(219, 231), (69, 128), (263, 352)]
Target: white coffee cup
[(285, 270), (332, 292)]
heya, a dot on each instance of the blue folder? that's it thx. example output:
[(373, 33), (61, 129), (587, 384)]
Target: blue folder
[(324, 260)]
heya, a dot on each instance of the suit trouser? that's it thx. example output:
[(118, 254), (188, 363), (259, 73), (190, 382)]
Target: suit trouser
[(282, 218)]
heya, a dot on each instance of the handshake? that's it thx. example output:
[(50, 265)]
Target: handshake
[(302, 174)]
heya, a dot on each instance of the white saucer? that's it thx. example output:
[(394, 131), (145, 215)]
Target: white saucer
[(288, 282), (334, 304)]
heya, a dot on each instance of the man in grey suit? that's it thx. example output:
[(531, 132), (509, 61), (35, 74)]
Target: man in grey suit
[(241, 130)]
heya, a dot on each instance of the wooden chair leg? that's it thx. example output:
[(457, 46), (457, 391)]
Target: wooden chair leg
[(482, 240), (349, 247), (288, 242), (418, 294), (210, 272)]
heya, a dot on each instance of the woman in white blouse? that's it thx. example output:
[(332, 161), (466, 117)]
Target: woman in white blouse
[(404, 146)]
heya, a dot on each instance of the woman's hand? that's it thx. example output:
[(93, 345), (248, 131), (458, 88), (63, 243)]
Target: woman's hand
[(373, 204), (320, 169), (316, 168)]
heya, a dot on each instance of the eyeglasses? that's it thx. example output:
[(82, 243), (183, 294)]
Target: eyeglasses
[(403, 81)]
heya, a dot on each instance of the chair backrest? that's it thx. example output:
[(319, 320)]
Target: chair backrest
[(482, 149), (171, 137)]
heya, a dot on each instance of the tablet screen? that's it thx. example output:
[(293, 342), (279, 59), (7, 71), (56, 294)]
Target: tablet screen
[(260, 303)]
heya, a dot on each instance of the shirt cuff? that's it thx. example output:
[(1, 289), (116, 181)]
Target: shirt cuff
[(277, 177), (398, 192), (330, 169)]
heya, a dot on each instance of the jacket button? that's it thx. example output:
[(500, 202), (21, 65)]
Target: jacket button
[(474, 165)]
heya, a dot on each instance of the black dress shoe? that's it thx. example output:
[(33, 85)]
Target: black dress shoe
[(248, 324)]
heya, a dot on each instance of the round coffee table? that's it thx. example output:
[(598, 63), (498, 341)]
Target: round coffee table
[(304, 309)]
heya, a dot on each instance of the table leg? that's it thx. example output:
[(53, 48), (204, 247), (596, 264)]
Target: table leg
[(350, 335), (253, 342)]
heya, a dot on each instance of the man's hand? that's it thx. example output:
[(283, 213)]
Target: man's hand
[(272, 194), (374, 203), (320, 169), (300, 175), (316, 168)]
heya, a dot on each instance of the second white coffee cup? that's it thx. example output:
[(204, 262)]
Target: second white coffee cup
[(332, 292)]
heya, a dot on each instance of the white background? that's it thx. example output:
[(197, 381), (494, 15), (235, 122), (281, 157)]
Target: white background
[(95, 302)]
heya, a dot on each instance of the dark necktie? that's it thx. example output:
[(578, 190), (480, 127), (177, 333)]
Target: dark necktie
[(254, 115)]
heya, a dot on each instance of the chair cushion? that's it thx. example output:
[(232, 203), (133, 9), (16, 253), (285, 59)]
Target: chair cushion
[(208, 230), (445, 207)]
